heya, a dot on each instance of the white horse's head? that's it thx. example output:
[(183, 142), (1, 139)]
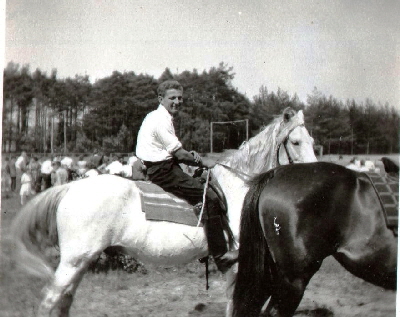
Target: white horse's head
[(285, 140), (295, 145)]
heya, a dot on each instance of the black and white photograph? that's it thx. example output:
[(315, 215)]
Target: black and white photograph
[(200, 158)]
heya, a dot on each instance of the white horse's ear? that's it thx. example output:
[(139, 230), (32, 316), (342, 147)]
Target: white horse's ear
[(288, 114), (300, 115)]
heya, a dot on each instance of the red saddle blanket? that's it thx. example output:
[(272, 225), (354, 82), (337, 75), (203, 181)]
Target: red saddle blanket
[(387, 188), (160, 205)]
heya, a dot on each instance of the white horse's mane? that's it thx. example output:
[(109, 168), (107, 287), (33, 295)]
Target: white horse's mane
[(259, 153)]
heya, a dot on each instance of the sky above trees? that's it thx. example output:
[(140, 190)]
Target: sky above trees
[(344, 48)]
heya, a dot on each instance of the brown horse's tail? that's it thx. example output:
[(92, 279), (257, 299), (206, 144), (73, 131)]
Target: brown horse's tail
[(253, 281), (34, 228)]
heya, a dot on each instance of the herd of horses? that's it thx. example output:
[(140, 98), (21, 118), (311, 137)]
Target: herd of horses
[(286, 218)]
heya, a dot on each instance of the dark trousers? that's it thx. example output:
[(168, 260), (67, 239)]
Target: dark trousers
[(46, 179), (13, 183), (170, 177)]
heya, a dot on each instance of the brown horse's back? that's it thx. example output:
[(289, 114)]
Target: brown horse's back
[(298, 215)]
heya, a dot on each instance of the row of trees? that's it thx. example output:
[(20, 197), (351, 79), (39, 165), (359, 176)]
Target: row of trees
[(44, 113), (340, 127)]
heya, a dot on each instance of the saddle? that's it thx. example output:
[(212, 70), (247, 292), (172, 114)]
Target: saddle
[(387, 189), (159, 205)]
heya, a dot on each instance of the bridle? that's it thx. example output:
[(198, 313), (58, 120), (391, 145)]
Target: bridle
[(284, 142), (242, 175)]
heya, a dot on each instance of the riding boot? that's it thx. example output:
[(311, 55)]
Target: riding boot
[(217, 244)]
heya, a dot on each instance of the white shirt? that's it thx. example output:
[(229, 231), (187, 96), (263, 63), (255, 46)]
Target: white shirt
[(132, 160), (81, 165), (20, 162), (126, 170), (46, 167), (156, 138), (92, 172), (363, 169), (353, 167), (114, 167), (67, 162), (370, 165)]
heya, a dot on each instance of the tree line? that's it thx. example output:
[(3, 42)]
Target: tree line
[(43, 113)]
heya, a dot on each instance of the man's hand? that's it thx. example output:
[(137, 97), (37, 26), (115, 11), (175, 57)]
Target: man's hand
[(189, 158), (196, 156), (208, 162)]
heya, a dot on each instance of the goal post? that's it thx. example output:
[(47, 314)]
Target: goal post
[(226, 122)]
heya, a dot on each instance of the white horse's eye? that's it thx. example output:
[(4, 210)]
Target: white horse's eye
[(296, 143)]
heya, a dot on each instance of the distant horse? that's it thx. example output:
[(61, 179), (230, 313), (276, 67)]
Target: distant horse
[(87, 216), (295, 216), (391, 167)]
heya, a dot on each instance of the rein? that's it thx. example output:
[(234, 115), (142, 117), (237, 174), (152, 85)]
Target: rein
[(241, 174)]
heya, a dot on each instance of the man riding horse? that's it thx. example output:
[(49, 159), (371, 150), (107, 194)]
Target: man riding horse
[(161, 152)]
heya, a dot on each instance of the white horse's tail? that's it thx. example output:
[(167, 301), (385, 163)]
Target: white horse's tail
[(34, 228)]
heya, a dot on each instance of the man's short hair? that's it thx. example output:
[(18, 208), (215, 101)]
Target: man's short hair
[(168, 84)]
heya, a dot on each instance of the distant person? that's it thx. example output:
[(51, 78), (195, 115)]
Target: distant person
[(138, 168), (67, 163), (60, 174), (22, 161), (6, 176), (370, 165), (391, 166), (34, 170), (26, 185), (352, 165), (98, 162), (132, 159), (45, 173), (363, 168), (126, 171), (13, 173), (81, 166), (91, 170), (116, 166)]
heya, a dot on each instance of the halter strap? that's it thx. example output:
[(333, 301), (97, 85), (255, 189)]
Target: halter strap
[(284, 142)]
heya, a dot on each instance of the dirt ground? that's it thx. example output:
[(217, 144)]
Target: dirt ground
[(179, 291)]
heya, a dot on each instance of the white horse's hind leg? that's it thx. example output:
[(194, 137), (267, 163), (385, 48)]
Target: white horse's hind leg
[(59, 293), (68, 296), (230, 286)]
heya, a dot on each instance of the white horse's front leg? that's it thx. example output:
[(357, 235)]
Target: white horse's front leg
[(230, 286)]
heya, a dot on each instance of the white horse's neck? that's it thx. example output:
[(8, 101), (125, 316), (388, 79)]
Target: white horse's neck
[(258, 154)]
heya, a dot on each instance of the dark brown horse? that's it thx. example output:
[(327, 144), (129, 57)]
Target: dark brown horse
[(295, 216)]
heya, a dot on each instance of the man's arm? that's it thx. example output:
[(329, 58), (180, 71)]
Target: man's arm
[(187, 158), (194, 159)]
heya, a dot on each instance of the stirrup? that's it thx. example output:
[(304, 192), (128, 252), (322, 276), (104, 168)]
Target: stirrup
[(225, 261)]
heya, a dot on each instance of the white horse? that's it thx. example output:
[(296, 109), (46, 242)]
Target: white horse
[(85, 217)]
